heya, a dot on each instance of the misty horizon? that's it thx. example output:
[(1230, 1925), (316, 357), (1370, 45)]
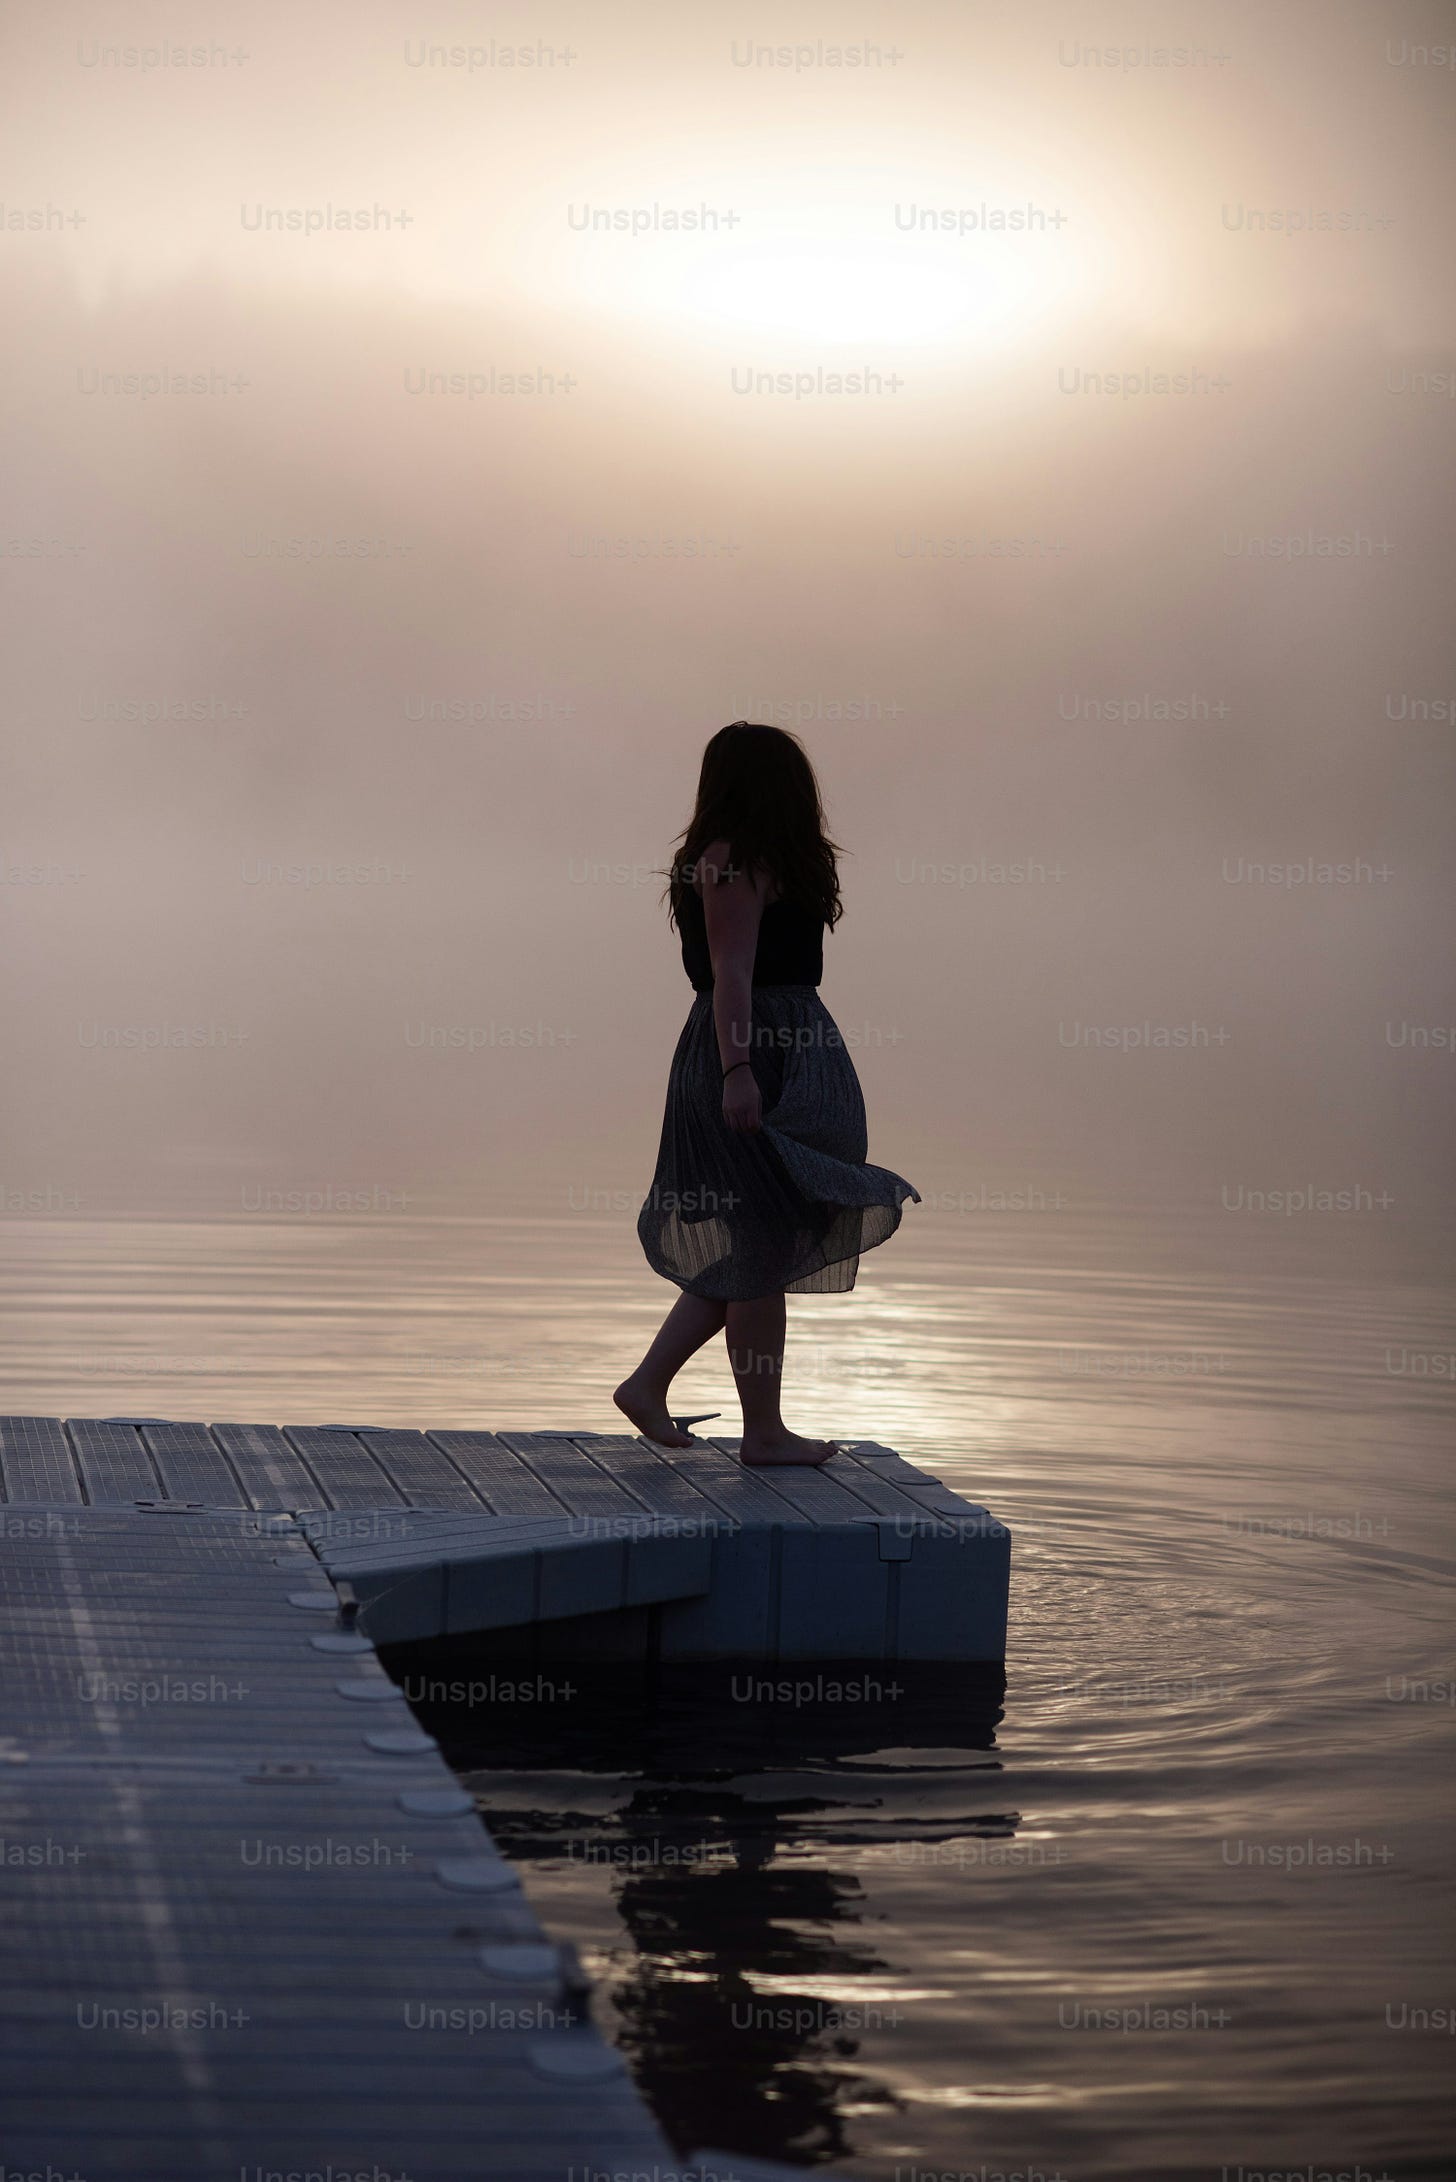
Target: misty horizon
[(360, 663)]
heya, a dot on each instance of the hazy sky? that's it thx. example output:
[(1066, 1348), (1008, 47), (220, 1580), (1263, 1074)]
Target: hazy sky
[(334, 867)]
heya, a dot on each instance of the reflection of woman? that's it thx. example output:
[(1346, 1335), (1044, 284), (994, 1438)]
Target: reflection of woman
[(761, 1182), (743, 2050)]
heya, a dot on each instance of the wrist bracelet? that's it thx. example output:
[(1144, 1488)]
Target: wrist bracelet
[(736, 1064)]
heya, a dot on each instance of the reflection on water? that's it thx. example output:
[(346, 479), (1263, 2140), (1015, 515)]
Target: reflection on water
[(1190, 1909), (747, 1971)]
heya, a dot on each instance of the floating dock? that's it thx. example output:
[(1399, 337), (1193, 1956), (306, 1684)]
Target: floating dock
[(252, 1922)]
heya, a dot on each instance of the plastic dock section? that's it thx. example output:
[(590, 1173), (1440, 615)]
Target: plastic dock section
[(251, 1921)]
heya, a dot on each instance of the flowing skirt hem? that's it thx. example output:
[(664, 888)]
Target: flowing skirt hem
[(790, 1208)]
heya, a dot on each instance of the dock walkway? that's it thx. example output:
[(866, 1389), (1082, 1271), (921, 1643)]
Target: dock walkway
[(252, 1924), (675, 1554)]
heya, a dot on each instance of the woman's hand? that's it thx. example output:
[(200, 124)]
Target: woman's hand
[(742, 1102)]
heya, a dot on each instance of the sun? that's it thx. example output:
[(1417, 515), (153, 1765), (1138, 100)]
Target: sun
[(843, 273), (837, 294), (883, 296)]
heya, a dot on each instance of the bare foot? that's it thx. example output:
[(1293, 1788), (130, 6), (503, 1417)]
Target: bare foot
[(646, 1408), (766, 1450)]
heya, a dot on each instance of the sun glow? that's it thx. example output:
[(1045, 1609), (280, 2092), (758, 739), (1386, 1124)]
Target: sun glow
[(796, 249), (832, 294), (836, 293)]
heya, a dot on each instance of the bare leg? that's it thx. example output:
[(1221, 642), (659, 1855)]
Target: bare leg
[(756, 1352), (642, 1397)]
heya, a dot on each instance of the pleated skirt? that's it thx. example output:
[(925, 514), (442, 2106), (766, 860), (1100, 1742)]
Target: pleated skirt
[(793, 1206)]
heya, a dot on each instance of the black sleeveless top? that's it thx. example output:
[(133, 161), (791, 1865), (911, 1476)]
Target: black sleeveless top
[(790, 945)]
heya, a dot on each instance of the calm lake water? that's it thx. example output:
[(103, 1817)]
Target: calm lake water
[(1179, 1902)]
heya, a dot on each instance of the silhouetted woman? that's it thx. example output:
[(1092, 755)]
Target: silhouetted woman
[(761, 1184)]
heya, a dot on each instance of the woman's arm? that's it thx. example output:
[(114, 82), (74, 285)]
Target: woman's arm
[(732, 910)]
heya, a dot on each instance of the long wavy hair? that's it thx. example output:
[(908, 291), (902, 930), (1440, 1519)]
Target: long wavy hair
[(757, 792)]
